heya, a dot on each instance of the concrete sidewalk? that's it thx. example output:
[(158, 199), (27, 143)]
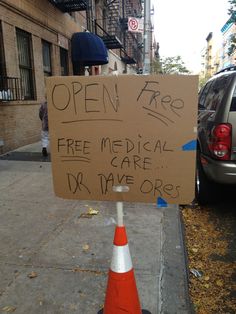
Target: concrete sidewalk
[(68, 252)]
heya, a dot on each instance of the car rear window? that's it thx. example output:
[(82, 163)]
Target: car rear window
[(233, 101), (214, 92), (203, 94)]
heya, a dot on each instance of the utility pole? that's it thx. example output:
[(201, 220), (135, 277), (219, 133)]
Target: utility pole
[(147, 37)]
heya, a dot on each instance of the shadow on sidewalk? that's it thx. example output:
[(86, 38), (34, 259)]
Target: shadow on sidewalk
[(25, 156)]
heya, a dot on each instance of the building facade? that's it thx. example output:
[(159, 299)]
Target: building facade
[(209, 56), (228, 30), (36, 42)]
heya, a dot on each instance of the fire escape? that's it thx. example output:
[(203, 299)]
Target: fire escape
[(108, 19), (114, 29), (134, 40), (70, 5)]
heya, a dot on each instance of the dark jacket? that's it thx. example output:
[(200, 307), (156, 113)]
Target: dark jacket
[(43, 115)]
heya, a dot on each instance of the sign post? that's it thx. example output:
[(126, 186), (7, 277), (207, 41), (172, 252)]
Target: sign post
[(121, 291), (137, 132)]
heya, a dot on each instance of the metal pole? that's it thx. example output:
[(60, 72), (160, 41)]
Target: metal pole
[(119, 204), (119, 207), (146, 37)]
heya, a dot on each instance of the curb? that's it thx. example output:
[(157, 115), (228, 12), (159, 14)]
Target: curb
[(174, 298)]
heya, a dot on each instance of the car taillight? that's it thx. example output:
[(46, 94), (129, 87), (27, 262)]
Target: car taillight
[(220, 141)]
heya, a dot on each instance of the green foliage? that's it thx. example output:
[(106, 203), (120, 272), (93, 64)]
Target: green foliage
[(156, 66), (169, 65), (232, 14), (232, 46), (232, 10)]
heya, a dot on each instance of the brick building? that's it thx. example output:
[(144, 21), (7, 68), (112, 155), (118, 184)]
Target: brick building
[(35, 42)]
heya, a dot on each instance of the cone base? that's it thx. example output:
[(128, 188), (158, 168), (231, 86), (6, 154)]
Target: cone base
[(143, 312), (122, 294)]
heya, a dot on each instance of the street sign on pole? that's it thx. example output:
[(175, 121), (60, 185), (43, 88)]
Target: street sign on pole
[(135, 25)]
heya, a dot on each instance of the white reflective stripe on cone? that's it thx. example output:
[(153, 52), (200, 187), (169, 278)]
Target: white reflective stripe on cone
[(121, 260)]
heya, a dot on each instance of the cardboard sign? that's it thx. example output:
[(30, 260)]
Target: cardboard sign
[(132, 130)]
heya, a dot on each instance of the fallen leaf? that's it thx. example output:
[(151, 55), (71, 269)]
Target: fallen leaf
[(219, 283), (32, 275), (9, 309), (208, 251), (85, 247), (92, 211)]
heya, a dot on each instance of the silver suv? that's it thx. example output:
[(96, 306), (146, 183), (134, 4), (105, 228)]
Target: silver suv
[(216, 149)]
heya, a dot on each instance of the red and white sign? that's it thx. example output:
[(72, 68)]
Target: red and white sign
[(135, 25)]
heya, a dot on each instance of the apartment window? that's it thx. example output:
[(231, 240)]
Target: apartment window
[(2, 64), (64, 61), (2, 55), (47, 65), (24, 46)]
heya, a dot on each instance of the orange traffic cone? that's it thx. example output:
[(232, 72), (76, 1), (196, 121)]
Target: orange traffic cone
[(121, 295)]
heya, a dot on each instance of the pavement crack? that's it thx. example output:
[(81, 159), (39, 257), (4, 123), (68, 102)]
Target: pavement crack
[(49, 267)]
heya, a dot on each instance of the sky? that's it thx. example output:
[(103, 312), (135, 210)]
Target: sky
[(182, 26)]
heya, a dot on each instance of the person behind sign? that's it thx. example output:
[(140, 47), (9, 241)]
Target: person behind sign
[(43, 115)]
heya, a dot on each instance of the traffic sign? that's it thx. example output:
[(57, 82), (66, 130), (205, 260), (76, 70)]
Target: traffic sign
[(135, 25)]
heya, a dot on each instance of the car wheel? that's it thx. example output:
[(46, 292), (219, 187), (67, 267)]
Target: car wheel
[(206, 190)]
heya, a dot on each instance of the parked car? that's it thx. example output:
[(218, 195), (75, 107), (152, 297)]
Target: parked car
[(216, 147)]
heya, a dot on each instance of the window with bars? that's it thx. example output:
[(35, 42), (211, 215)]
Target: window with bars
[(24, 45), (64, 61), (47, 64), (2, 55)]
